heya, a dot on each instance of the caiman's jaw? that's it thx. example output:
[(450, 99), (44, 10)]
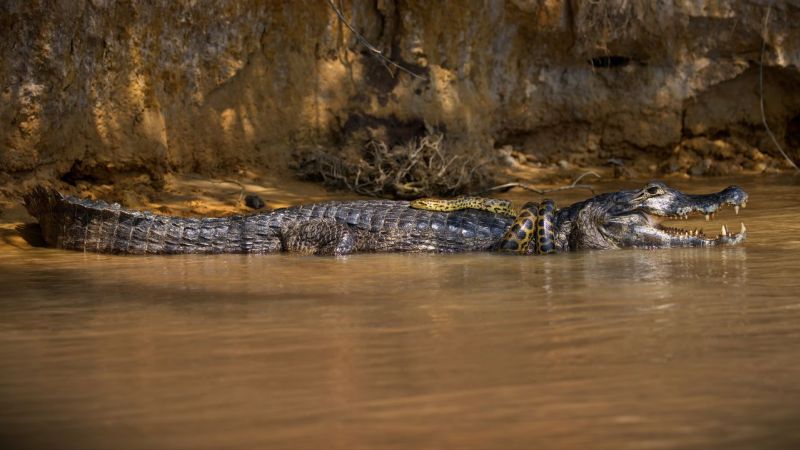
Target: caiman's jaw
[(637, 218), (683, 237)]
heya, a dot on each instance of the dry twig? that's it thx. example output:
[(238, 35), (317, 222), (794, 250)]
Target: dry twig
[(527, 187), (386, 62), (761, 89)]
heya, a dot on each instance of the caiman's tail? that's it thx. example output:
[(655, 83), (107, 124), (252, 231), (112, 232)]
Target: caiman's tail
[(97, 226), (40, 203)]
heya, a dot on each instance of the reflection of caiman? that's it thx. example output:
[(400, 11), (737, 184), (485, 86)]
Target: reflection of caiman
[(614, 220)]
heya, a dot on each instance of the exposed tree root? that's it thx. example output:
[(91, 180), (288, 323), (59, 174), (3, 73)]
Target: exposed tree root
[(527, 187), (424, 166), (761, 89)]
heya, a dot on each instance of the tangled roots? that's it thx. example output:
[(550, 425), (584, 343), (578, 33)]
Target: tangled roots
[(424, 166)]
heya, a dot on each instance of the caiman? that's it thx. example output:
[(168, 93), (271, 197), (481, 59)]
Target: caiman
[(623, 219)]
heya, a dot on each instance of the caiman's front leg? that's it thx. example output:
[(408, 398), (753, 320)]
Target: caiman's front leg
[(319, 237)]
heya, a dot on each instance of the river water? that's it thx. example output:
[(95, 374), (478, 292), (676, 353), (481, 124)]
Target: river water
[(685, 348)]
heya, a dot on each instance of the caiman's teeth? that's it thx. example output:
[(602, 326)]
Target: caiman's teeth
[(743, 229), (744, 204), (736, 209), (724, 230), (708, 217)]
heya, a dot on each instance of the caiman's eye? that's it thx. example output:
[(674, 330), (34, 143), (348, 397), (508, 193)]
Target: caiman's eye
[(654, 190)]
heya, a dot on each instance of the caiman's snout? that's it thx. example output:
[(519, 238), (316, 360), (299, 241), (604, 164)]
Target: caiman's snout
[(711, 203), (734, 195)]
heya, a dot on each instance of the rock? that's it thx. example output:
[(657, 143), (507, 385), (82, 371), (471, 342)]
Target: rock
[(717, 148), (701, 168), (756, 155), (723, 168), (254, 201)]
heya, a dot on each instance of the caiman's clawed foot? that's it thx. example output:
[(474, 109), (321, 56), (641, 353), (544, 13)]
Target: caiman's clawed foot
[(319, 237)]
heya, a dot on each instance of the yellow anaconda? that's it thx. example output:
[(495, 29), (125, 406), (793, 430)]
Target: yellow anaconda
[(493, 205)]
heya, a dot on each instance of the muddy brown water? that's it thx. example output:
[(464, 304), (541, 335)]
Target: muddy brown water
[(685, 348)]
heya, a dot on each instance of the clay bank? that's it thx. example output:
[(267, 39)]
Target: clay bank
[(93, 92)]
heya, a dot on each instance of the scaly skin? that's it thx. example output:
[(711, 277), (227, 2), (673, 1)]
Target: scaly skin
[(519, 235), (616, 220), (371, 225)]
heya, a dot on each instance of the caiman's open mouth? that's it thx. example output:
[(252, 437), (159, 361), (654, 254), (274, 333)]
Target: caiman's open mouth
[(709, 212)]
